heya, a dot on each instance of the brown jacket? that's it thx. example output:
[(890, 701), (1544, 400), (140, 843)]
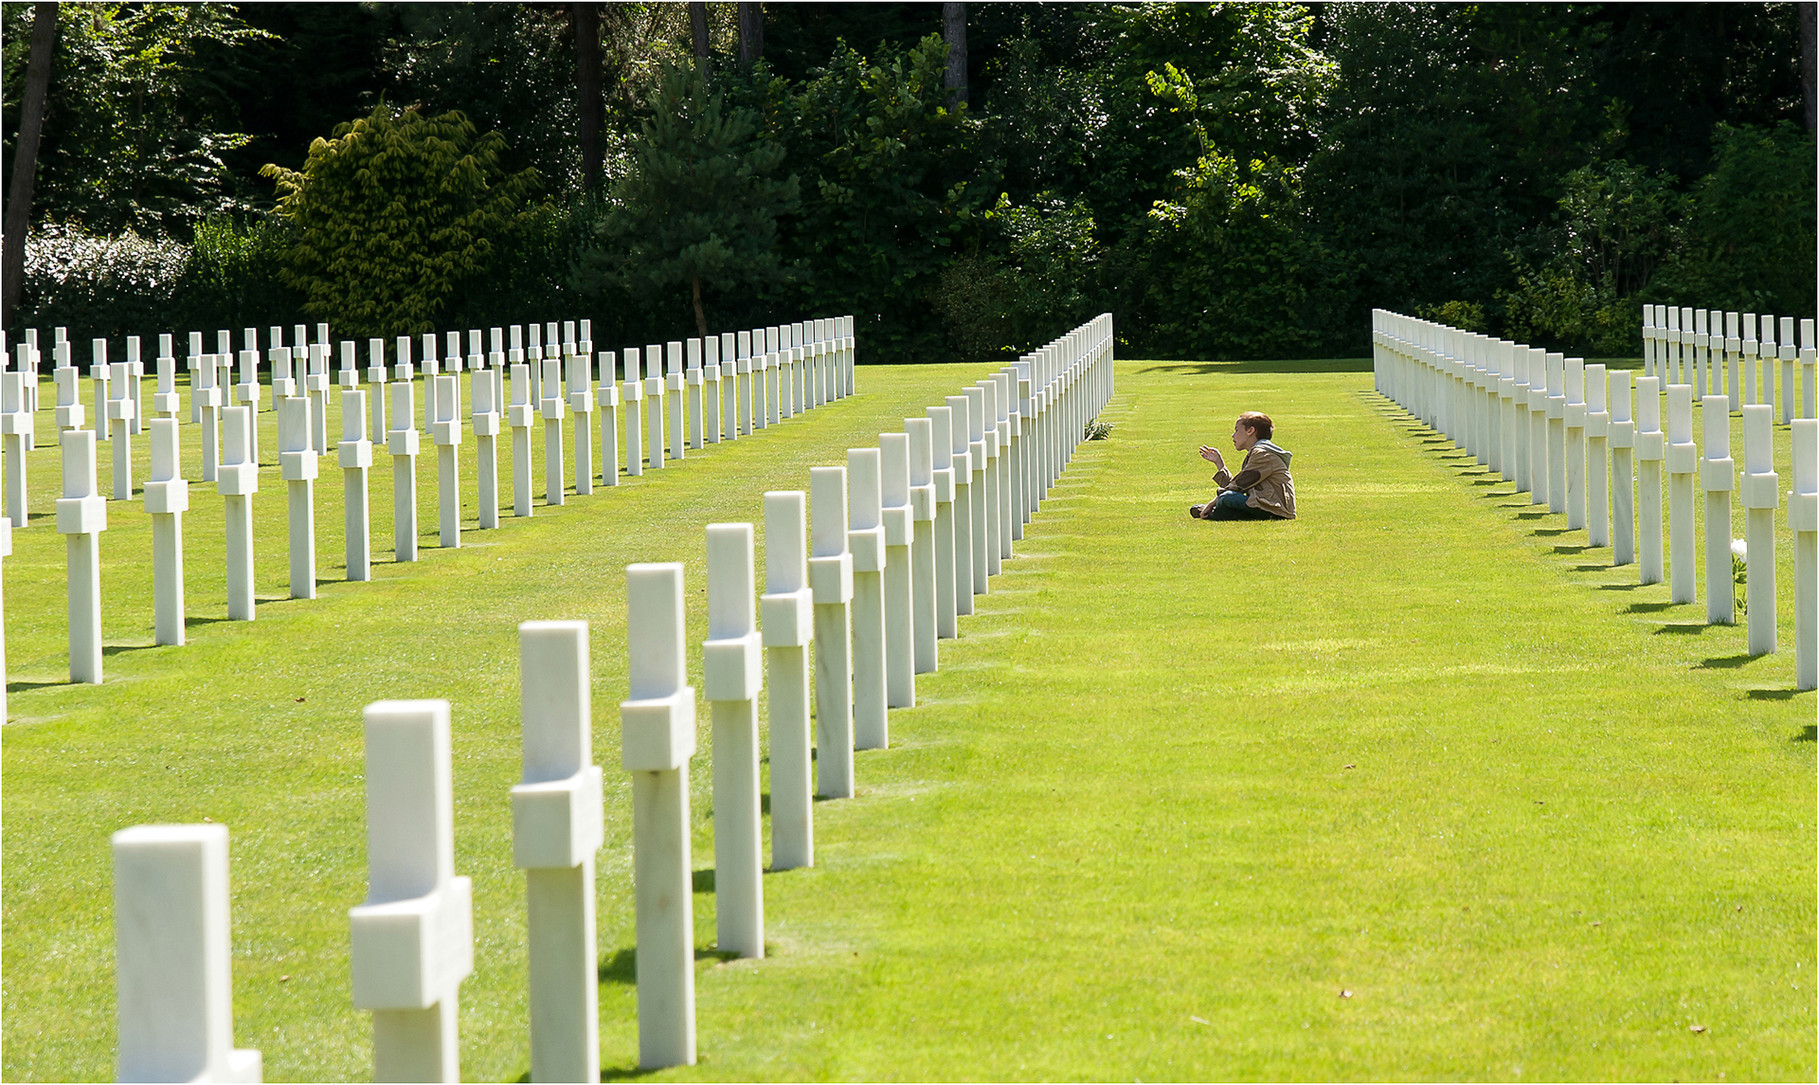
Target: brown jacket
[(1265, 478)]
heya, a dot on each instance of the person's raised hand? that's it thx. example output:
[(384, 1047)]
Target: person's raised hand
[(1211, 455)]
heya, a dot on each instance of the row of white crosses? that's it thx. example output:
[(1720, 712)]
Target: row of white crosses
[(768, 375), (1734, 355), (412, 938), (1550, 424)]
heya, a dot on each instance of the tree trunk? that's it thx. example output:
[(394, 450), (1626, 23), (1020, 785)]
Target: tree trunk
[(751, 34), (700, 313), (25, 157), (585, 18), (953, 31), (697, 27), (1809, 63)]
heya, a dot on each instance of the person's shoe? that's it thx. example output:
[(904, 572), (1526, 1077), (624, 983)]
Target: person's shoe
[(1193, 511)]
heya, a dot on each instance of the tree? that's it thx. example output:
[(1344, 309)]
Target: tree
[(699, 206), (392, 215), (953, 31), (143, 125), (751, 33), (25, 154), (585, 19)]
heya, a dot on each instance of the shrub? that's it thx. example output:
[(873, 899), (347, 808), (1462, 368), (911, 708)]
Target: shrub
[(97, 285), (392, 216)]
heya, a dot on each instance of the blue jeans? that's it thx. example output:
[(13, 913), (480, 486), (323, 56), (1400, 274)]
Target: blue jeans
[(1231, 506)]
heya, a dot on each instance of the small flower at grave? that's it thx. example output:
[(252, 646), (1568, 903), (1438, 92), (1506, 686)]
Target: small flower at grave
[(1740, 571)]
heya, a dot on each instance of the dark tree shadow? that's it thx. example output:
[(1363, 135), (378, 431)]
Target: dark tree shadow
[(1725, 663)]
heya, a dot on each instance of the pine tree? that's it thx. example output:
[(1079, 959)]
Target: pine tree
[(700, 204)]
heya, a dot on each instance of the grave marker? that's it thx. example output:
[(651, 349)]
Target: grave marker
[(982, 399), (1809, 371), (1767, 352), (1717, 478), (101, 377), (248, 393), (1682, 457), (1597, 450), (15, 427), (1788, 356), (551, 408), (237, 481), (658, 738), (711, 396), (634, 420), (1803, 521), (412, 938), (744, 366), (788, 605), (445, 430), (355, 453), (977, 461), (1761, 497), (557, 826), (968, 544), (830, 576), (165, 401), (654, 392), (1733, 361), (697, 390), (402, 441), (729, 387), (81, 518), (946, 531), (1651, 451), (173, 957), (297, 462), (483, 385), (1623, 477), (899, 523), (865, 542), (1557, 496), (678, 403), (518, 416), (316, 382), (581, 402), (1574, 417), (120, 415), (206, 398), (607, 396), (731, 675)]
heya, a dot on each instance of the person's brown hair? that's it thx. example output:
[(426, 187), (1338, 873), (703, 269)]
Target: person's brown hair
[(1257, 422)]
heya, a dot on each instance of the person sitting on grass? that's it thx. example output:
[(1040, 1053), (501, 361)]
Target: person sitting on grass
[(1262, 489)]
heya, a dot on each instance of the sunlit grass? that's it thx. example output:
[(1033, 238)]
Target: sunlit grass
[(1413, 787)]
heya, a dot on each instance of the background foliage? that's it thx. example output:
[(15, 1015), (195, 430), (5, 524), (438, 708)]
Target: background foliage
[(1232, 180)]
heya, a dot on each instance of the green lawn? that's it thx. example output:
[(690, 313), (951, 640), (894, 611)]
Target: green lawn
[(1413, 787)]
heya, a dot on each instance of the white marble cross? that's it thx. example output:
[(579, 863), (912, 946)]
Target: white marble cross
[(297, 461), (402, 441), (173, 957), (81, 518), (557, 826), (866, 543), (355, 455), (900, 566), (657, 740), (412, 938), (830, 576), (788, 608), (732, 676)]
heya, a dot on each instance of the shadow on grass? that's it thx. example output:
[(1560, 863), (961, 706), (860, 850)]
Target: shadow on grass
[(1724, 663), (1646, 608), (1486, 482), (1607, 587), (21, 687), (1575, 548), (117, 649), (1809, 733), (1550, 531), (1535, 515), (1691, 629), (1285, 365), (189, 621), (703, 880)]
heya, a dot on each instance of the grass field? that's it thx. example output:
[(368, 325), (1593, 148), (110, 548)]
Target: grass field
[(1415, 786)]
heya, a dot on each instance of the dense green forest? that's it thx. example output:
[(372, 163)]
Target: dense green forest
[(1231, 180)]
